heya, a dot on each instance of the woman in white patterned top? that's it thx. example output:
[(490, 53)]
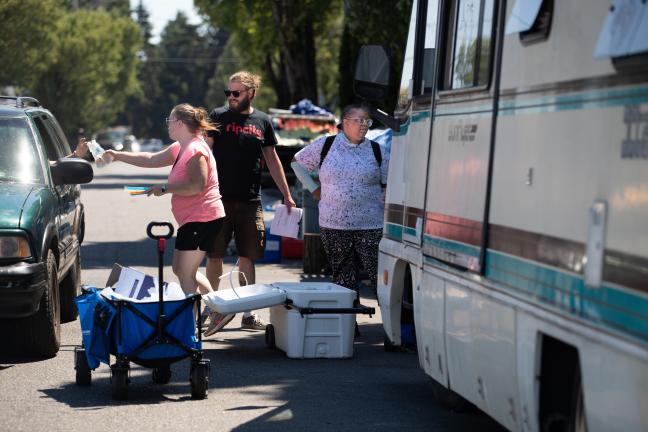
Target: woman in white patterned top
[(351, 202)]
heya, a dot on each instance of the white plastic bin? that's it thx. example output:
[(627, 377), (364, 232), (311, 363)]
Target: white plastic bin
[(314, 335)]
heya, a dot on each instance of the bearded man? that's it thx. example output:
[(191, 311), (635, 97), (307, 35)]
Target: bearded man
[(244, 136)]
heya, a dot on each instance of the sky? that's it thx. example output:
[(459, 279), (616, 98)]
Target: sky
[(164, 10)]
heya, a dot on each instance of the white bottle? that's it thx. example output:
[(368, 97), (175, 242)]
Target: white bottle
[(97, 153)]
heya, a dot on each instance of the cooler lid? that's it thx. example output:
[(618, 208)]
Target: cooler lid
[(245, 298)]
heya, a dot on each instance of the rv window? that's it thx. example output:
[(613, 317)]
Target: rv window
[(523, 16), (429, 48), (539, 31), (406, 85), (625, 30), (469, 54)]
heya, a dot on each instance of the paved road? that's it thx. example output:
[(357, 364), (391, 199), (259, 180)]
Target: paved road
[(251, 387)]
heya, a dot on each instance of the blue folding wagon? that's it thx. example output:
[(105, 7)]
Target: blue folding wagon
[(152, 335)]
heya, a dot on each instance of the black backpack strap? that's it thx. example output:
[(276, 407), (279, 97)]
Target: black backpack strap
[(325, 148), (376, 149), (378, 155)]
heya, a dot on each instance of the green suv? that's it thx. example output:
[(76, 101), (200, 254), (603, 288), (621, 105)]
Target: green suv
[(41, 227)]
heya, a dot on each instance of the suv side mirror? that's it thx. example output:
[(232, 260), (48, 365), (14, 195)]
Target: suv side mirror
[(71, 171), (371, 81)]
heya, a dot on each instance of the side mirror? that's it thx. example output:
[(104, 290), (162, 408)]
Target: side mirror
[(371, 80), (71, 171)]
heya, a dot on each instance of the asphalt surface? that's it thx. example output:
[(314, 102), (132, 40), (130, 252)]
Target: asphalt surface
[(251, 387)]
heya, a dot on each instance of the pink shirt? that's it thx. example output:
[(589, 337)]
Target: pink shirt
[(201, 207)]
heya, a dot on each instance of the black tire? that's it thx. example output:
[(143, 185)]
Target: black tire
[(449, 399), (388, 345), (42, 332), (119, 382), (70, 287), (83, 372), (199, 379), (270, 337), (161, 375)]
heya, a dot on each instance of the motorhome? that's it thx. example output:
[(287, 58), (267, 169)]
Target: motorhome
[(515, 245)]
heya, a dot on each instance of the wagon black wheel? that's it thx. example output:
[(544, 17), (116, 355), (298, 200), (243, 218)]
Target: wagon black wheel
[(199, 379), (83, 372), (161, 375), (119, 382), (270, 336)]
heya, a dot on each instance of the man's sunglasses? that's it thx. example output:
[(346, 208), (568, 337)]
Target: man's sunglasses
[(235, 93)]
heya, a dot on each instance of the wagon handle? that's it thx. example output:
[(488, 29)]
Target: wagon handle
[(149, 230), (161, 243)]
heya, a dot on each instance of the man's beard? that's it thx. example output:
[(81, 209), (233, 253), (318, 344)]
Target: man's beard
[(242, 105)]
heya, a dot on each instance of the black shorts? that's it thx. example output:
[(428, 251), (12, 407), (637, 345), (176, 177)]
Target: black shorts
[(198, 235)]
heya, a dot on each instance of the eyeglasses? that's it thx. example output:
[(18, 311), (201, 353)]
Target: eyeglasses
[(170, 120), (235, 93), (361, 120)]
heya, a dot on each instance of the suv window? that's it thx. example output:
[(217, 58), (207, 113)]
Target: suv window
[(19, 160), (52, 145), (64, 146)]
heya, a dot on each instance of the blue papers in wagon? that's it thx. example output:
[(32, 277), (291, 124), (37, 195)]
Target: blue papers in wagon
[(245, 298)]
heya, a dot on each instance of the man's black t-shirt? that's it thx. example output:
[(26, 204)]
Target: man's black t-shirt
[(238, 150)]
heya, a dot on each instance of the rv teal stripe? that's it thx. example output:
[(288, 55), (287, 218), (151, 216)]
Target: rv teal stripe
[(568, 102), (451, 245), (605, 305), (470, 111), (414, 118), (410, 231), (588, 100), (393, 231)]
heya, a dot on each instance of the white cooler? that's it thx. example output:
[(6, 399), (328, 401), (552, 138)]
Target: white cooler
[(311, 335)]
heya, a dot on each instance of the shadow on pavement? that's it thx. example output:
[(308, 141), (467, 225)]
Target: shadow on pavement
[(127, 253)]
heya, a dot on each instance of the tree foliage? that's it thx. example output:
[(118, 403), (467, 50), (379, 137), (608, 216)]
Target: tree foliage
[(94, 71), (29, 42), (280, 39), (177, 70)]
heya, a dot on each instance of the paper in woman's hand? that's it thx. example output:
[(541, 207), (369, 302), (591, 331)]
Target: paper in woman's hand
[(284, 224)]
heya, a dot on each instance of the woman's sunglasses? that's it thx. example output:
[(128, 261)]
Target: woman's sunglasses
[(235, 93)]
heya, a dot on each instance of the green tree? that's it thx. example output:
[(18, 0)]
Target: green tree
[(280, 39), (29, 43), (121, 7), (180, 68), (380, 22), (140, 112), (94, 71)]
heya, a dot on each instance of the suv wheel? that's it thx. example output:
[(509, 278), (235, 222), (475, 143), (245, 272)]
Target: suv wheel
[(43, 330), (69, 288)]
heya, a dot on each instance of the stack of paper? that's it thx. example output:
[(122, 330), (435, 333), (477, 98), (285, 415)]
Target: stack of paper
[(286, 224)]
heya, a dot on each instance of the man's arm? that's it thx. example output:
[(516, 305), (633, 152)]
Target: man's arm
[(277, 173)]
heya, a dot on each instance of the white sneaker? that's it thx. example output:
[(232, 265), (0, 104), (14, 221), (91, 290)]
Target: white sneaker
[(217, 322), (253, 322)]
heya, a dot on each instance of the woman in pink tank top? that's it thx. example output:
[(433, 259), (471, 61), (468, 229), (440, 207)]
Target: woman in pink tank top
[(193, 184)]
